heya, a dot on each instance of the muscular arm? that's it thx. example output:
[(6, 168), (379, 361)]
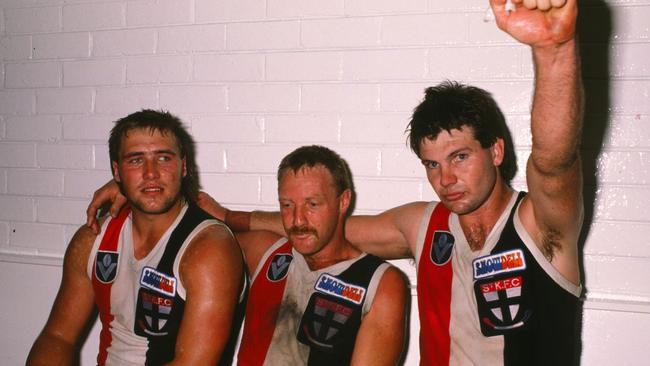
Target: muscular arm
[(553, 210), (254, 244), (56, 344), (212, 272), (390, 235), (380, 340)]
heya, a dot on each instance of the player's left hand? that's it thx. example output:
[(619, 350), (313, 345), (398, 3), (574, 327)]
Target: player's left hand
[(538, 23), (211, 206)]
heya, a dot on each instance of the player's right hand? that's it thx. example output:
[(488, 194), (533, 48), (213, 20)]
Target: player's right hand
[(108, 193)]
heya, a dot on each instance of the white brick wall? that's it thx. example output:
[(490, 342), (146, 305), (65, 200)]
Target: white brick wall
[(254, 79)]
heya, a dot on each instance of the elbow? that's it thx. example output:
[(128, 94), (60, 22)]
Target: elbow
[(553, 164)]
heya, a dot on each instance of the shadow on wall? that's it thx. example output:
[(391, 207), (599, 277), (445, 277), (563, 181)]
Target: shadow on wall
[(594, 30)]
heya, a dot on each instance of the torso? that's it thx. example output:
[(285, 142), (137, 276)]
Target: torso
[(281, 289), (458, 293), (141, 301)]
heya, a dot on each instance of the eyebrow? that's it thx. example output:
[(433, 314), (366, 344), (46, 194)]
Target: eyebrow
[(457, 151), (155, 152)]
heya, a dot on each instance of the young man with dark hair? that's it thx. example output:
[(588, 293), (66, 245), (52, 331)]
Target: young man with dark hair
[(166, 277)]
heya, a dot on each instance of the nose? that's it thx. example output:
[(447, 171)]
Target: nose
[(447, 176), (299, 216), (151, 169)]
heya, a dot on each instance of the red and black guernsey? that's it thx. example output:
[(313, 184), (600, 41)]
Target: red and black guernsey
[(327, 325), (159, 309), (516, 298)]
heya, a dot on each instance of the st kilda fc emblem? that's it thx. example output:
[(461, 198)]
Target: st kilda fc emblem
[(442, 245), (326, 322), (279, 267)]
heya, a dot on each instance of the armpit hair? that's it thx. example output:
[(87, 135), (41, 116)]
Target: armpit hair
[(551, 243)]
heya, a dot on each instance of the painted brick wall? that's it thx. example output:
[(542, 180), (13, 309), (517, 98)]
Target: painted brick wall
[(255, 78)]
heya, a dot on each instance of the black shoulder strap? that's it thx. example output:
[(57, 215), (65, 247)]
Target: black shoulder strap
[(192, 218)]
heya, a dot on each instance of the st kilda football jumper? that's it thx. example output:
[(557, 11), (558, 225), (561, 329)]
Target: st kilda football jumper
[(141, 302), (502, 305), (296, 316)]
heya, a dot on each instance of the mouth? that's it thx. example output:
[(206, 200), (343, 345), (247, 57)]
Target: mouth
[(455, 196), (151, 190), (301, 233)]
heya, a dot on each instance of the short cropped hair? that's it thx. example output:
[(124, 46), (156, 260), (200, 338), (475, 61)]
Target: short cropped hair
[(163, 122), (451, 106), (310, 156)]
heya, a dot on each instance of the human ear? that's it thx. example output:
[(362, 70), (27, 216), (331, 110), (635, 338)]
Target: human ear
[(116, 171), (497, 150), (344, 200)]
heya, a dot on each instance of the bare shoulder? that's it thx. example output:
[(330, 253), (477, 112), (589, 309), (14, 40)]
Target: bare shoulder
[(254, 244), (212, 240), (393, 281), (78, 251), (391, 234), (408, 218), (213, 249), (410, 209)]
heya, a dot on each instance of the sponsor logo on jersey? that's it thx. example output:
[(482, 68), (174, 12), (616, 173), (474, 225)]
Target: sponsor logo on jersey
[(279, 267), (158, 281), (494, 264), (441, 247), (152, 313), (106, 266), (322, 322), (331, 285)]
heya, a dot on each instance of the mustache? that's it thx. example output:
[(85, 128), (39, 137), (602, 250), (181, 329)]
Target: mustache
[(299, 230)]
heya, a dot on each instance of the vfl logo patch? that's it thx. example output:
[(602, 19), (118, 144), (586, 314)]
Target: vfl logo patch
[(279, 267), (106, 266), (331, 285), (441, 247), (504, 262), (158, 281)]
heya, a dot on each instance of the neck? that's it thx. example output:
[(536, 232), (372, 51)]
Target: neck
[(478, 224), (334, 252), (149, 228)]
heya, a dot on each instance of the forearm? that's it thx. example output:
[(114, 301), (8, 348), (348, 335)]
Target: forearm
[(265, 220), (241, 221), (556, 119), (50, 351)]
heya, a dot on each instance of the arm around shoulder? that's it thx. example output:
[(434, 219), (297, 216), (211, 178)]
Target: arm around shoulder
[(391, 234), (57, 342), (211, 270), (381, 338), (254, 244)]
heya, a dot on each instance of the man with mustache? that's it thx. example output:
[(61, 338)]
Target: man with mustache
[(314, 298), (166, 277)]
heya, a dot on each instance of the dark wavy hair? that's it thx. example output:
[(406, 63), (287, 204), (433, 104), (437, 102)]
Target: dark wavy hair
[(163, 122), (451, 105), (310, 156)]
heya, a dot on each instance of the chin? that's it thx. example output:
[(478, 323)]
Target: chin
[(459, 208)]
